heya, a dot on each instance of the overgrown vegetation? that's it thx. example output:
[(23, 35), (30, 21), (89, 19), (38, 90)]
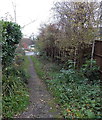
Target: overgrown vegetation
[(0, 72), (68, 41), (15, 97), (72, 33), (15, 91), (77, 94)]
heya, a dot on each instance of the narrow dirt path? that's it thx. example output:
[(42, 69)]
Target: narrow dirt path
[(41, 102)]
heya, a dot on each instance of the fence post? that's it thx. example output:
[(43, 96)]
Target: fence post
[(92, 53)]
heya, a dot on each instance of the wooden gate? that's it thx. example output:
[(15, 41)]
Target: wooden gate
[(98, 54)]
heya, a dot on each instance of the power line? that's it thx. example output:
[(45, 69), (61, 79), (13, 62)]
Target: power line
[(28, 24)]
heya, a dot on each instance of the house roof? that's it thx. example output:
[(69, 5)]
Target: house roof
[(27, 41)]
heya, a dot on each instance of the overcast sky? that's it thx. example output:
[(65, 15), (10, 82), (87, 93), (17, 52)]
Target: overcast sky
[(28, 10)]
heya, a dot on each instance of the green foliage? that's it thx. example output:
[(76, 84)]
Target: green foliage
[(14, 90), (11, 35), (21, 68), (15, 103), (73, 91), (91, 70), (38, 67), (15, 96), (79, 98)]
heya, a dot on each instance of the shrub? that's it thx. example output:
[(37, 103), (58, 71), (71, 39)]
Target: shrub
[(11, 35), (15, 103), (78, 98), (91, 70), (15, 94)]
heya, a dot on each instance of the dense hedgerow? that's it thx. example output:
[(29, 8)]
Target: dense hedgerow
[(15, 96), (11, 36)]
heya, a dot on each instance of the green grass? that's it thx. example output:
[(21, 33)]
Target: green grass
[(78, 98), (15, 92), (38, 67), (25, 63), (44, 69), (16, 103)]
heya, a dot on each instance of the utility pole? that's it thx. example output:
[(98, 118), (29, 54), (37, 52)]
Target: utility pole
[(14, 9)]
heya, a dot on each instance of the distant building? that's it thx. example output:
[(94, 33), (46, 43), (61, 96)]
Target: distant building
[(25, 43)]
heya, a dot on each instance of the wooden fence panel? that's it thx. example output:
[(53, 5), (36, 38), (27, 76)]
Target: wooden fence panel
[(98, 54)]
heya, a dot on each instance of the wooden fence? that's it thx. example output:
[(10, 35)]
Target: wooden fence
[(98, 54)]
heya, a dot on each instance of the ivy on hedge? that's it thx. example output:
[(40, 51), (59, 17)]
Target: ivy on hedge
[(11, 35)]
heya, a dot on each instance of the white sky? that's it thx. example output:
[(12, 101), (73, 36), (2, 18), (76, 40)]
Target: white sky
[(28, 10)]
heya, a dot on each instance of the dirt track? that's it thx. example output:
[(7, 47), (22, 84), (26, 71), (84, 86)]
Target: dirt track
[(41, 102)]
